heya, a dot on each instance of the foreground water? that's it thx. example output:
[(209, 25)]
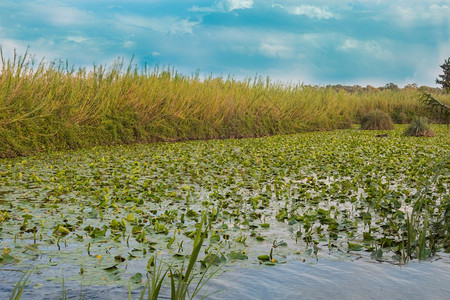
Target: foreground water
[(328, 279), (323, 279)]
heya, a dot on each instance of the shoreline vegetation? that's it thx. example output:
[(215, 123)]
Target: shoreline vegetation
[(54, 106)]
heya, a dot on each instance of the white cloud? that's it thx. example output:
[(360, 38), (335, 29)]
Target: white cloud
[(372, 48), (275, 50), (9, 45), (183, 26), (238, 4), (159, 24), (58, 13), (129, 44), (225, 6), (76, 39), (310, 11), (39, 49), (155, 53), (413, 16)]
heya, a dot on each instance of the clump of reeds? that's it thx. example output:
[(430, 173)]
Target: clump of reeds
[(377, 120), (419, 127)]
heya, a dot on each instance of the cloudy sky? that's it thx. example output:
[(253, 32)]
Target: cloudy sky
[(311, 41)]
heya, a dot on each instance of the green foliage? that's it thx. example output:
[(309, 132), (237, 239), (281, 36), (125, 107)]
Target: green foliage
[(420, 237), (156, 279), (419, 127), (20, 286), (445, 78), (377, 120), (180, 280), (391, 86), (54, 107), (436, 107)]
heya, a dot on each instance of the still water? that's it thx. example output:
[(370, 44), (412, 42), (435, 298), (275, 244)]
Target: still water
[(324, 279), (337, 280)]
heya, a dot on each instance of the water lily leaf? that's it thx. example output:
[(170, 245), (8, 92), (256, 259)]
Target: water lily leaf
[(212, 259), (264, 257), (63, 230), (367, 236), (7, 259), (136, 278), (130, 217), (214, 238), (119, 258), (237, 255), (377, 254), (111, 268), (354, 247)]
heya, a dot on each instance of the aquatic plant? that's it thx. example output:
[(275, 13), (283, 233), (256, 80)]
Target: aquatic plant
[(19, 287), (180, 280), (420, 238), (376, 120), (419, 127), (104, 213)]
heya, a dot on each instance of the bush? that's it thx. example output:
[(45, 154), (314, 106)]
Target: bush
[(419, 127), (377, 120)]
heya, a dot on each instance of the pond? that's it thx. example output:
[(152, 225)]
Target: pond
[(346, 202)]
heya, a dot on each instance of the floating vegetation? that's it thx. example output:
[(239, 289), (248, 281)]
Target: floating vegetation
[(106, 213)]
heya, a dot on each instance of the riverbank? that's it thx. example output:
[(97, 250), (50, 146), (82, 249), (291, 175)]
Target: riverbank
[(47, 107)]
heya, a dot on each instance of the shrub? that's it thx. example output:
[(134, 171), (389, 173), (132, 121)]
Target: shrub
[(377, 120), (419, 127)]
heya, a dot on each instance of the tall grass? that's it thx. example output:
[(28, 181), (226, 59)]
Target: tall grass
[(19, 287), (425, 223), (56, 106)]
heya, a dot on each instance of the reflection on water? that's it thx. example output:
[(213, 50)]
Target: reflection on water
[(336, 280), (325, 279)]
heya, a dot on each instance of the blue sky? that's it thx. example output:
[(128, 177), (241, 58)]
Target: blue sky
[(314, 42)]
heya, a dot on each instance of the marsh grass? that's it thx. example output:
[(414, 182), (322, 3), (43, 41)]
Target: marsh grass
[(20, 286), (419, 127), (180, 280), (377, 120), (419, 236), (54, 106), (154, 281)]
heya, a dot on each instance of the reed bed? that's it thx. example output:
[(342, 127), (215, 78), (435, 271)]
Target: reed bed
[(54, 106)]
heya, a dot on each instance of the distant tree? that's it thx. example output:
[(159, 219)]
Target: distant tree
[(445, 78), (371, 88), (411, 86), (391, 86)]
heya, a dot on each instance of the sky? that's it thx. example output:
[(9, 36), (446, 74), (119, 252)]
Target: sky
[(366, 42)]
